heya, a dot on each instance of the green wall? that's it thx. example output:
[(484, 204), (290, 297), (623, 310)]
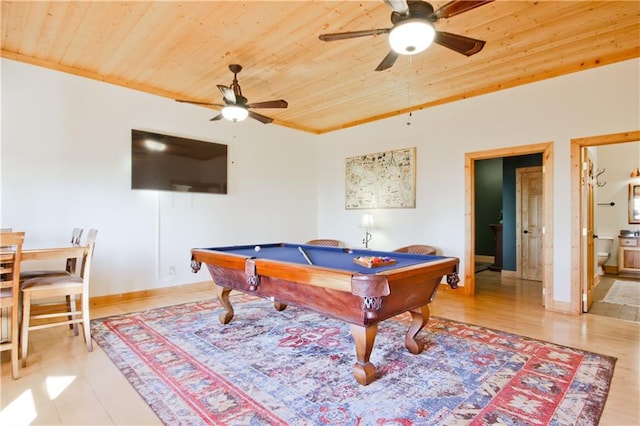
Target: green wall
[(488, 194)]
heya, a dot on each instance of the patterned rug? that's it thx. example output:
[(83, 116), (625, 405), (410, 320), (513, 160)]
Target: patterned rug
[(624, 293), (294, 368)]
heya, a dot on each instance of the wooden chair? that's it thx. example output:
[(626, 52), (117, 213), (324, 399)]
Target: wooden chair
[(10, 258), (46, 287), (325, 242), (70, 266), (418, 249)]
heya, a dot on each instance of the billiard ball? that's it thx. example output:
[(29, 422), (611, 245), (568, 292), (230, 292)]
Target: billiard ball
[(257, 248)]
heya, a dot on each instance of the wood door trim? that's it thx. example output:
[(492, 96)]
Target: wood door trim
[(587, 244), (577, 218), (547, 245)]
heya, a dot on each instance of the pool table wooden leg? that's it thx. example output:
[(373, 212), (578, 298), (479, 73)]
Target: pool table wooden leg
[(223, 297), (364, 337), (419, 318)]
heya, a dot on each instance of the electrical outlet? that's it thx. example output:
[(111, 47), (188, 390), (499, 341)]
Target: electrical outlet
[(172, 271)]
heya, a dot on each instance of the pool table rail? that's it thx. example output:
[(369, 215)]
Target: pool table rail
[(314, 275)]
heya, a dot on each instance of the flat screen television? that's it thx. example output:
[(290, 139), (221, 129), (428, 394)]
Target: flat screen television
[(172, 163)]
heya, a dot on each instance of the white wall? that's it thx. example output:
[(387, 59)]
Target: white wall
[(65, 159), (617, 161), (66, 153), (593, 102)]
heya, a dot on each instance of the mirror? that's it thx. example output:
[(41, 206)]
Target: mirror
[(634, 203)]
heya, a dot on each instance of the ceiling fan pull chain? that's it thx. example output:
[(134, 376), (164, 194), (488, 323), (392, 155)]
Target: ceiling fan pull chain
[(410, 74)]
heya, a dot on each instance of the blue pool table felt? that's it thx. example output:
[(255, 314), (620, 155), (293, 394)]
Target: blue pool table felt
[(339, 258)]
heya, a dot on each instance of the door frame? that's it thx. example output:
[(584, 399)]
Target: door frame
[(587, 224), (578, 255), (546, 149)]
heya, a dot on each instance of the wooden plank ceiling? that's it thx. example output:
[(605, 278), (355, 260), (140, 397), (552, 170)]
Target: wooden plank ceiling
[(181, 50)]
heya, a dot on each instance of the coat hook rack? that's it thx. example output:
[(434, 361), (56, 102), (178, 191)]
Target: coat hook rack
[(596, 174)]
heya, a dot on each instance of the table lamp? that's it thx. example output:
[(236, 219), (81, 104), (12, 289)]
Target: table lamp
[(367, 223)]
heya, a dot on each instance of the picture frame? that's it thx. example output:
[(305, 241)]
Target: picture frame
[(381, 180), (634, 204)]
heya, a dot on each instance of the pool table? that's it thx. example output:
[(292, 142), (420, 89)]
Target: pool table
[(326, 280)]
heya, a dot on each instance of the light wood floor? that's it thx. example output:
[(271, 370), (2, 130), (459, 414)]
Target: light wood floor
[(63, 384)]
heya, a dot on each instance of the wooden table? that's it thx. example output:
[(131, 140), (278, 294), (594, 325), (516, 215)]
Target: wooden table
[(46, 252)]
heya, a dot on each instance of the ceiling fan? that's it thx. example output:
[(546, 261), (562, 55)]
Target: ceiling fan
[(413, 29), (235, 106)]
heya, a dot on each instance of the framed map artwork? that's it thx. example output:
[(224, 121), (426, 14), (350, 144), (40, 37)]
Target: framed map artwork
[(382, 180)]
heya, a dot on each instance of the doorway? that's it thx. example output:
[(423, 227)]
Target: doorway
[(546, 149), (508, 216), (582, 259)]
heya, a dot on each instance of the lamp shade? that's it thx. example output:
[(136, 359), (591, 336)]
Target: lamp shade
[(366, 221), (411, 36), (234, 113)]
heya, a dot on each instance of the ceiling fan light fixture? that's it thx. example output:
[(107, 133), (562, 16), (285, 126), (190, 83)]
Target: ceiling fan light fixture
[(411, 36), (234, 113)]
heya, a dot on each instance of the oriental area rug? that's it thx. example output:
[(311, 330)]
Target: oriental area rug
[(295, 368)]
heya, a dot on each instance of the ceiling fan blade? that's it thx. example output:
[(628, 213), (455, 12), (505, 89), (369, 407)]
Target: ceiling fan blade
[(227, 93), (199, 103), (261, 118), (217, 117), (388, 61), (353, 34), (280, 103), (456, 7), (466, 45), (399, 6)]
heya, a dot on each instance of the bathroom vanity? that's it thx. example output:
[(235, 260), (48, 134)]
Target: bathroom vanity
[(629, 256)]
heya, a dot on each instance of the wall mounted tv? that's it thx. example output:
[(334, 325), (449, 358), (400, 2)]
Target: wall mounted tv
[(172, 163)]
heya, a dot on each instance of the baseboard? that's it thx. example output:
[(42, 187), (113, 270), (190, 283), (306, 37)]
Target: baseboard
[(561, 307), (484, 259), (510, 274), (112, 299), (610, 269)]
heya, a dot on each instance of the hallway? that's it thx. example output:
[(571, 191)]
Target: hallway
[(530, 292)]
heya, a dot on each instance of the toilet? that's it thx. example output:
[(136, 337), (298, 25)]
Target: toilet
[(603, 252)]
